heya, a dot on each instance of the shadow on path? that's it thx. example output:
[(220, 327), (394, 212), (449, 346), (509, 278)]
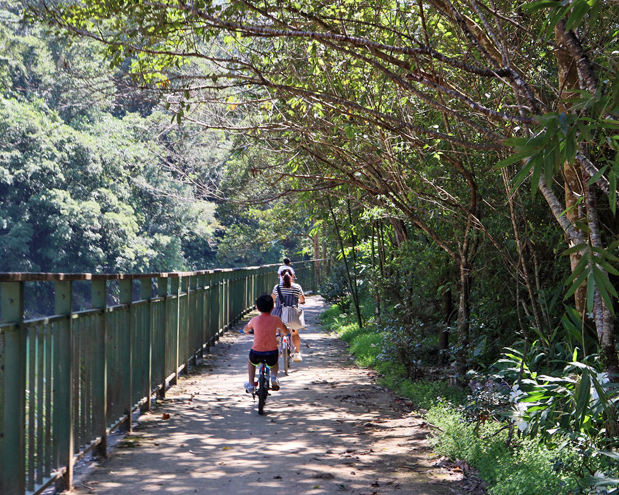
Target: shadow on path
[(330, 429)]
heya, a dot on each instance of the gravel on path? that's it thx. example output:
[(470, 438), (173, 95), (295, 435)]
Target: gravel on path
[(330, 429)]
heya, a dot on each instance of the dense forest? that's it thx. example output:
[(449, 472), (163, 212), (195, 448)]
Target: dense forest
[(96, 178), (456, 160)]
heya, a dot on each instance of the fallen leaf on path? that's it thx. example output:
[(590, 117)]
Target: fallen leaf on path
[(226, 448), (325, 476), (316, 487), (165, 416)]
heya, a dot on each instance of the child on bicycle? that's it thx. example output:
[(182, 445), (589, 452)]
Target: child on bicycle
[(265, 327)]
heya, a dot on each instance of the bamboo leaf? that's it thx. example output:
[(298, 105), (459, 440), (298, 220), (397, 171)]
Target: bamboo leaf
[(542, 4), (579, 10), (612, 197), (583, 393), (590, 293), (576, 284), (521, 176), (602, 280), (597, 176), (514, 158), (574, 249)]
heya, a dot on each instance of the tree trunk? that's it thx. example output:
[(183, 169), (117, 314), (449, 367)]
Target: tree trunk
[(568, 81), (317, 272), (464, 319), (443, 337), (602, 316)]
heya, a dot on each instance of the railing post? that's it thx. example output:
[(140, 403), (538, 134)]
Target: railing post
[(63, 382), (12, 390), (176, 291), (126, 298), (186, 349), (212, 309), (217, 293), (99, 301), (146, 294), (162, 292), (201, 311), (229, 285)]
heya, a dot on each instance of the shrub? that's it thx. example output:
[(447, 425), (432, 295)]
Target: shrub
[(527, 468)]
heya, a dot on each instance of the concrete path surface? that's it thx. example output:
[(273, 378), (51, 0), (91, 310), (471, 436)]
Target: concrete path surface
[(329, 430)]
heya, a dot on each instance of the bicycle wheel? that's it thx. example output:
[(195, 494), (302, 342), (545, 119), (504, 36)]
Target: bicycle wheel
[(286, 356), (262, 391)]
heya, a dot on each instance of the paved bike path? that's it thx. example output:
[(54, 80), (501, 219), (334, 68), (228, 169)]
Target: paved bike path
[(329, 430)]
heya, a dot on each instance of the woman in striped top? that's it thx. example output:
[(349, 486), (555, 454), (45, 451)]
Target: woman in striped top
[(293, 296)]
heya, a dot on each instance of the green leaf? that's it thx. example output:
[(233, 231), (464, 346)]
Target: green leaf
[(575, 249), (612, 197), (537, 171), (521, 176), (514, 158), (577, 283), (563, 123), (543, 4), (570, 145), (583, 393), (597, 176), (579, 10), (515, 142), (590, 293)]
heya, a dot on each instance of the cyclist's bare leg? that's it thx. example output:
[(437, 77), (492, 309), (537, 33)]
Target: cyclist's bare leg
[(296, 340), (251, 371)]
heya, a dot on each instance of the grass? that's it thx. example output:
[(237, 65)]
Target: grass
[(366, 345), (526, 467)]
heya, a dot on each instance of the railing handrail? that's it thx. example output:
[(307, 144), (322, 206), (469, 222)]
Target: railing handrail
[(53, 277), (69, 378)]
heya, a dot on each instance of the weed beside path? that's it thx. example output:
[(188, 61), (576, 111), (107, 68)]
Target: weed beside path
[(330, 429)]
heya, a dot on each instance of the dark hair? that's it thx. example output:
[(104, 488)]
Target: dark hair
[(286, 281), (264, 303), (286, 261)]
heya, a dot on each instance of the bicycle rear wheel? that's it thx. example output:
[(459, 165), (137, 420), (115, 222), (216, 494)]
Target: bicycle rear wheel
[(263, 387), (286, 355)]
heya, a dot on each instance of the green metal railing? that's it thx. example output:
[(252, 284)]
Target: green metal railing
[(69, 379)]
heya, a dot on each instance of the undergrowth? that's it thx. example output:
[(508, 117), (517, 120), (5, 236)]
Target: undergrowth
[(522, 466)]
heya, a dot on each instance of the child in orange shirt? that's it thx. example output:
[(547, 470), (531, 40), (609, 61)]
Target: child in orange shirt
[(264, 348)]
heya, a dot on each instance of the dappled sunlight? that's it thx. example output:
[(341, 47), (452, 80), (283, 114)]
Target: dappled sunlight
[(323, 432)]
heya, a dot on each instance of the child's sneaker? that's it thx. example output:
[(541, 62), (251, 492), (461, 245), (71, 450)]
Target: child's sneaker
[(249, 388), (274, 384), (297, 357)]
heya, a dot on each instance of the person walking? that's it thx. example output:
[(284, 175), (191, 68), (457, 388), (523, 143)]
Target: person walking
[(283, 268), (292, 293)]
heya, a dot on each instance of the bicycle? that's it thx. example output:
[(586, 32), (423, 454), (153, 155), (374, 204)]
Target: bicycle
[(286, 351), (262, 385)]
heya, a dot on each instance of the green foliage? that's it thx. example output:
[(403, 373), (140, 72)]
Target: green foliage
[(577, 401), (334, 288), (367, 344), (527, 468)]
